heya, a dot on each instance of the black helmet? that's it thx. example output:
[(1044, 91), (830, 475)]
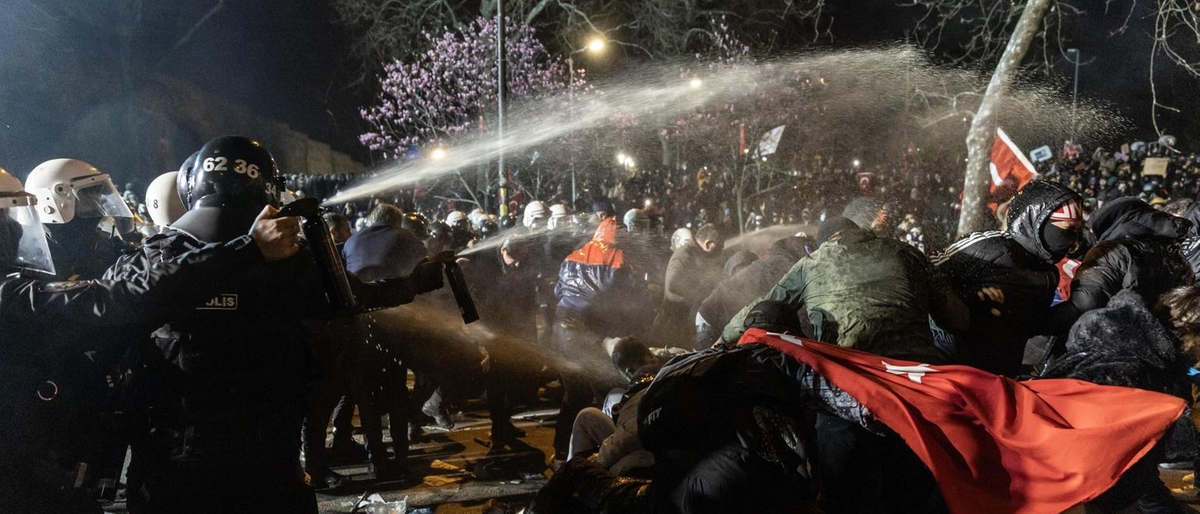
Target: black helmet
[(441, 232), (461, 233), (230, 168), (488, 229), (417, 224), (188, 163), (510, 221)]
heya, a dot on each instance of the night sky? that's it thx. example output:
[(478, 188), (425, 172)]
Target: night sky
[(287, 59)]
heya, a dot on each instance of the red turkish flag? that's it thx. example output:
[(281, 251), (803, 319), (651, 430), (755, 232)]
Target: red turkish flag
[(865, 180), (995, 445), (1008, 161)]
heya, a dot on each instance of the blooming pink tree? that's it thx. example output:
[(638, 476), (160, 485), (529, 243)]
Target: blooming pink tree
[(448, 92), (443, 92)]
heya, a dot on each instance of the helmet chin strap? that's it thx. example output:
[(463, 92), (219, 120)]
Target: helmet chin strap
[(218, 218)]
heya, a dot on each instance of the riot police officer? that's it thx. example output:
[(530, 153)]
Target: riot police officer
[(225, 381), (73, 197), (45, 448)]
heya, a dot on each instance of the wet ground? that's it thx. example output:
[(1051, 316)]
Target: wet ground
[(458, 471)]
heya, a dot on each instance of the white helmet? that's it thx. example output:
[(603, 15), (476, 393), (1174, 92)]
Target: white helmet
[(636, 220), (455, 217), (476, 217), (162, 199), (535, 210), (681, 238), (20, 226), (558, 215), (68, 188)]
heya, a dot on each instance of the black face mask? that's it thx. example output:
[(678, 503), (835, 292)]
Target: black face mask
[(1060, 242)]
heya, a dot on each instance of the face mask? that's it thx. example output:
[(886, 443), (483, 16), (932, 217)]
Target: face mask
[(1058, 241)]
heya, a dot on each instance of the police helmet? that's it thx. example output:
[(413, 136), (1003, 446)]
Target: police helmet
[(416, 223), (69, 188), (22, 240), (162, 199), (231, 169)]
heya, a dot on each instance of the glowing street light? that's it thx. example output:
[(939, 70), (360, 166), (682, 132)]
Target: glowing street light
[(596, 45), (695, 83), (622, 158), (437, 153), (857, 163)]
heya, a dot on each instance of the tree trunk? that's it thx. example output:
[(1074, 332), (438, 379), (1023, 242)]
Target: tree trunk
[(983, 127)]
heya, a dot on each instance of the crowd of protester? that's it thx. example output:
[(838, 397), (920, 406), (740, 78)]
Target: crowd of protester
[(206, 335)]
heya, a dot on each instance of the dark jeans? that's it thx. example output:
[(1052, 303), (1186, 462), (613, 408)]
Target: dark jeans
[(1140, 486), (860, 472), (322, 399), (391, 399)]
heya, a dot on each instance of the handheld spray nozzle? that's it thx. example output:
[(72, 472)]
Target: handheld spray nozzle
[(329, 260), (462, 294)]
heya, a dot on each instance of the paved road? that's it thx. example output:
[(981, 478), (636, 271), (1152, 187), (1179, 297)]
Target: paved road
[(456, 471)]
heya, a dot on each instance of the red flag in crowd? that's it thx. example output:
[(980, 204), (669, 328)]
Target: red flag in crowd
[(1008, 161), (995, 445), (865, 180)]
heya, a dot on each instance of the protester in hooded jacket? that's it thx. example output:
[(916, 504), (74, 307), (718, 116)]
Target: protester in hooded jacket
[(876, 295), (1139, 249), (869, 293), (740, 290), (1044, 223)]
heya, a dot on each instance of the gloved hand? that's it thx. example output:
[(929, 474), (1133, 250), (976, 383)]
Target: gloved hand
[(428, 276)]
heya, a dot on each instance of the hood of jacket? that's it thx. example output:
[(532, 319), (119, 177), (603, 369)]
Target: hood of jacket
[(1131, 217), (1030, 211), (1193, 215)]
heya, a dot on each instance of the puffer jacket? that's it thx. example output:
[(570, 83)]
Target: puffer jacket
[(1191, 244), (1017, 262), (869, 293), (596, 279), (1140, 250)]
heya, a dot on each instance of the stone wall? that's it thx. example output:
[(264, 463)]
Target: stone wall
[(193, 116)]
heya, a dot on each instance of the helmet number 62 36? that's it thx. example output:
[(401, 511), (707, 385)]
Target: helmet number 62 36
[(239, 166)]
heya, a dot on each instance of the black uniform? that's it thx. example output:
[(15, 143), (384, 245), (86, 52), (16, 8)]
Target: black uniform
[(48, 413), (224, 385)]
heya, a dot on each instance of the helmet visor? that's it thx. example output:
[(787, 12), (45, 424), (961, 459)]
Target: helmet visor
[(21, 229), (96, 197)]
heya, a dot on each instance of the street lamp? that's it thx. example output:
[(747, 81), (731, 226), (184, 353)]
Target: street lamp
[(1073, 58), (596, 45)]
